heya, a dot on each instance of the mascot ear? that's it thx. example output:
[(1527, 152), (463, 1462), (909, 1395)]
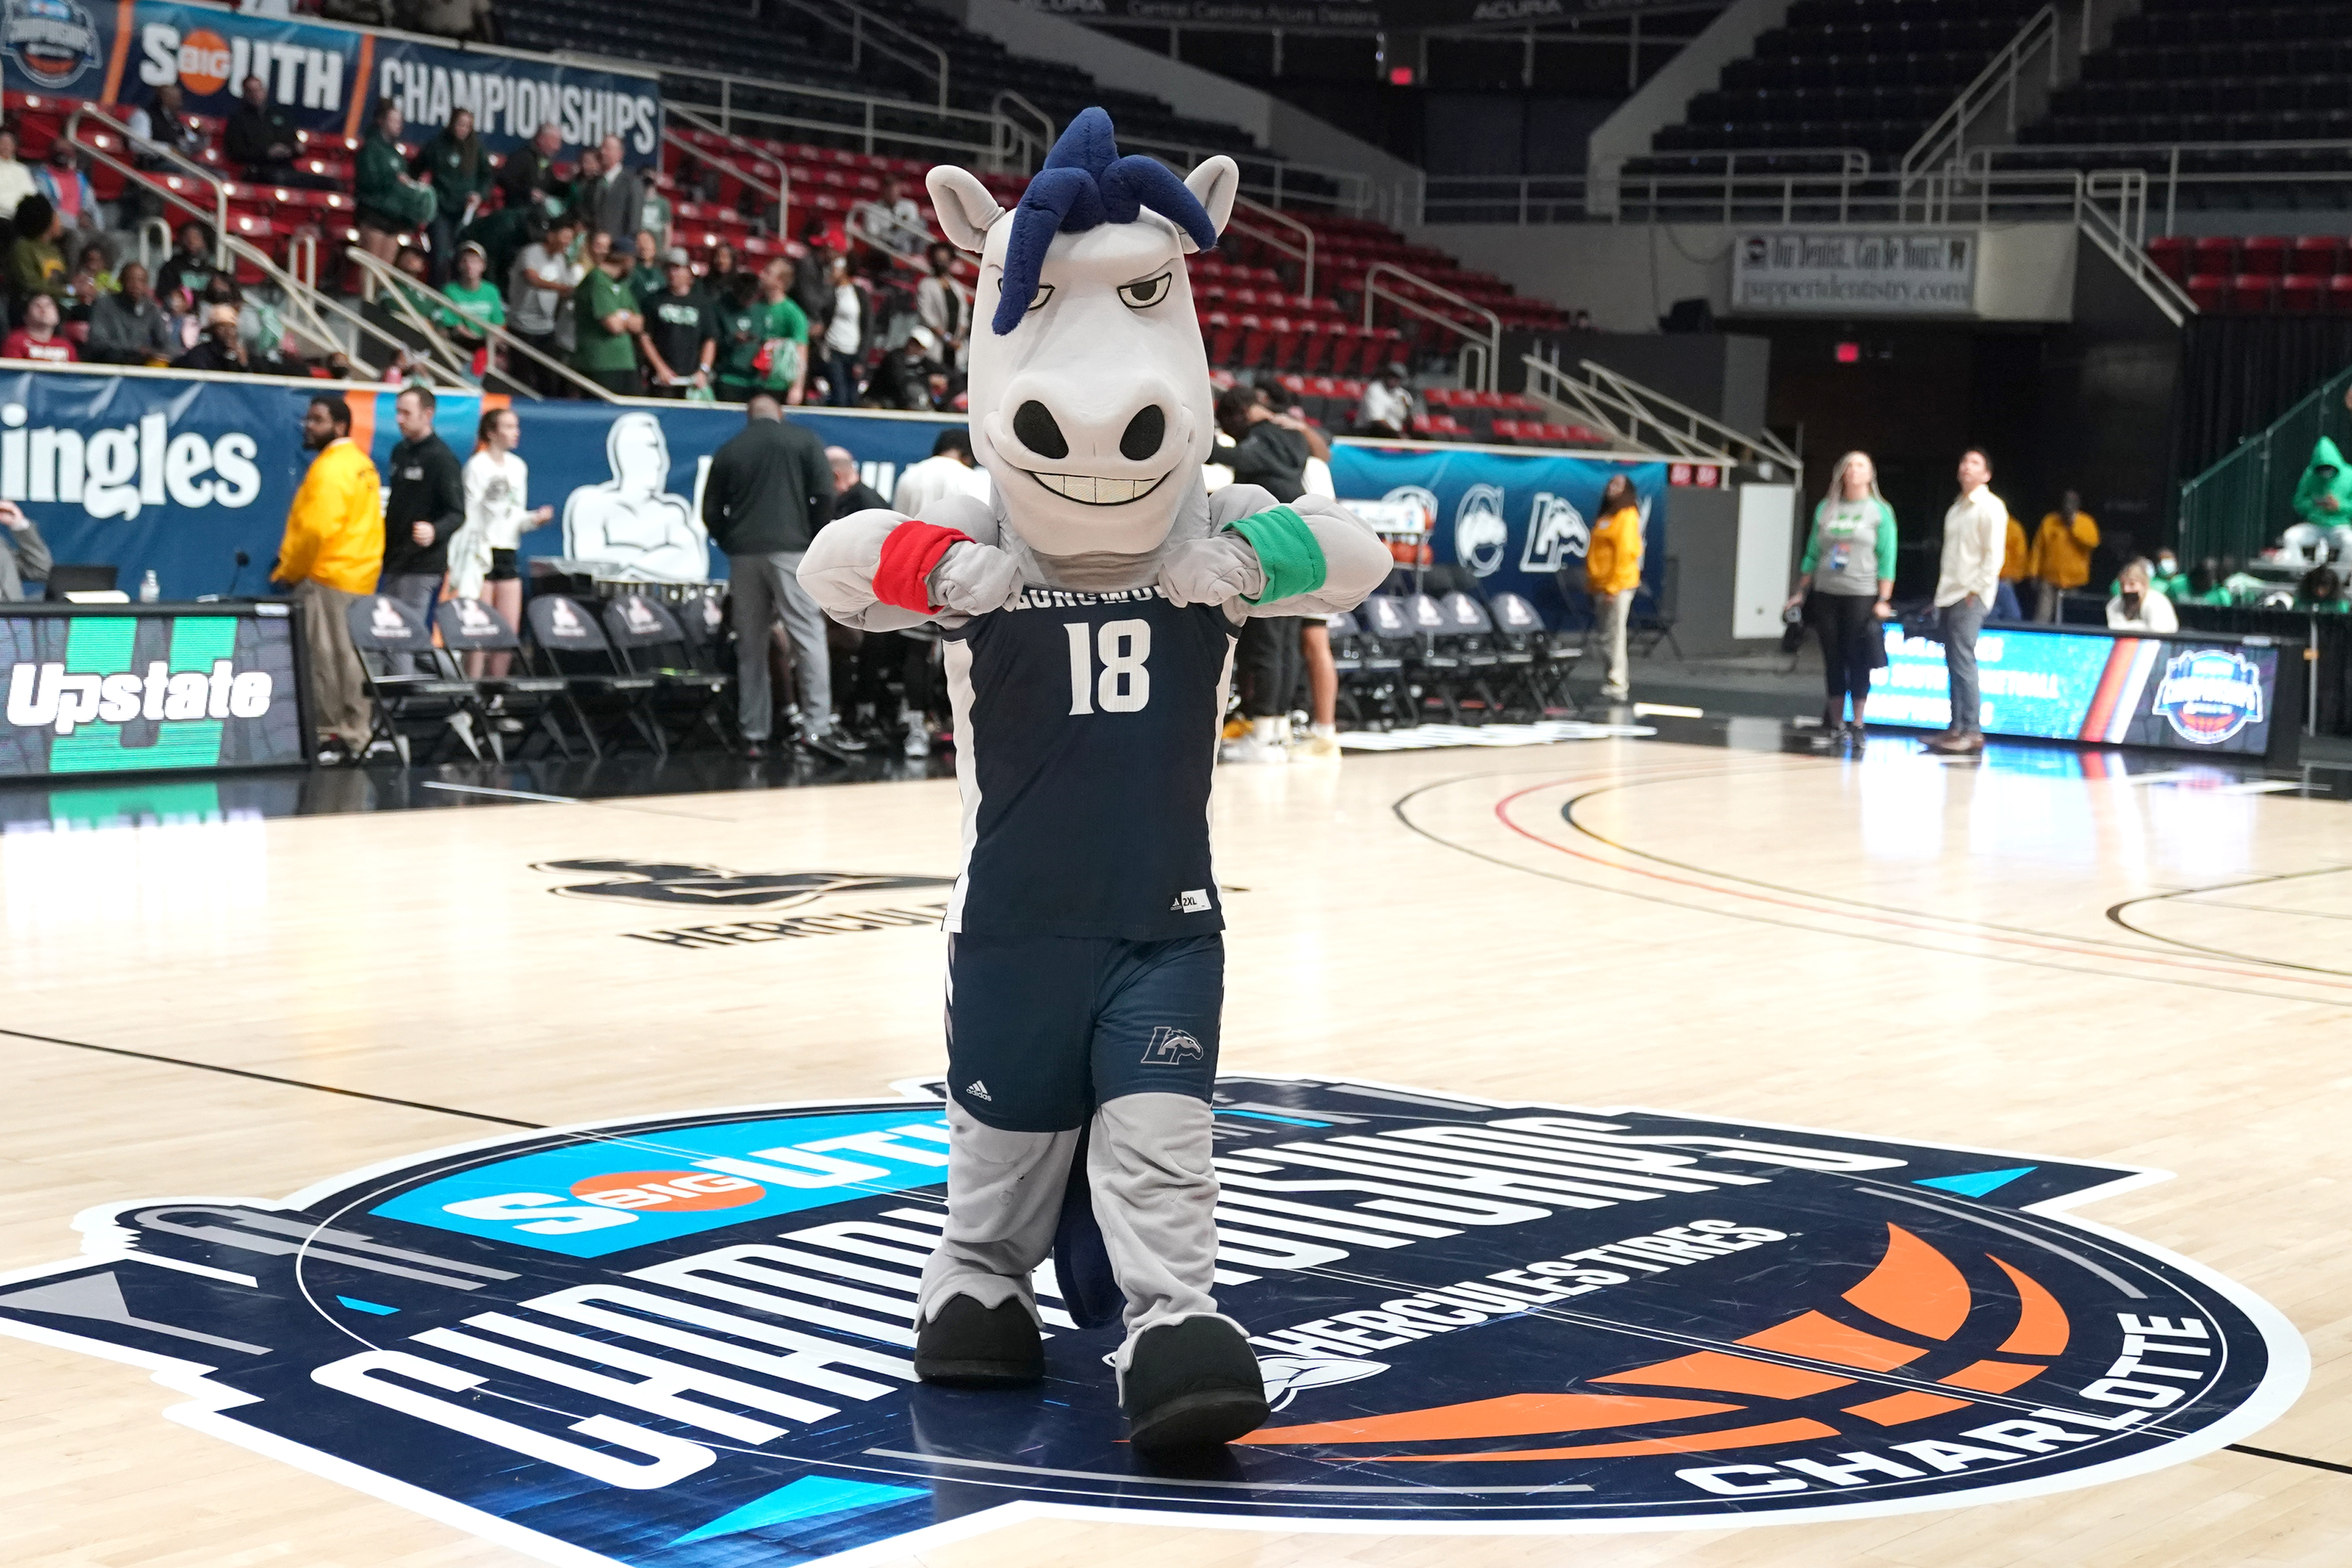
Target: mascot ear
[(964, 207), (1214, 182)]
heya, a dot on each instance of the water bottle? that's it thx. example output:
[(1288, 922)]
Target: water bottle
[(149, 590)]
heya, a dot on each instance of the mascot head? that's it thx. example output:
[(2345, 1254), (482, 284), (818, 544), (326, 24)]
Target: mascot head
[(1090, 402)]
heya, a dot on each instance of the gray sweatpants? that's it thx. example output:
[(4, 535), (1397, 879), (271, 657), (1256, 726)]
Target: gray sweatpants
[(764, 589), (1155, 1197), (1961, 622), (420, 592)]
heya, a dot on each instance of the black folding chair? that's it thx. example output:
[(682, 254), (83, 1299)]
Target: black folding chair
[(648, 640), (603, 694), (440, 705), (473, 625), (1434, 667), (1525, 647), (1474, 643), (1389, 638), (1652, 620)]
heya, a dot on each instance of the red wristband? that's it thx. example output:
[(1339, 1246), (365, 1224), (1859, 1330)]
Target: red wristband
[(909, 554)]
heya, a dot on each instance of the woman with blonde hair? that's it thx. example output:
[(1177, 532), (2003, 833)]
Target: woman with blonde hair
[(1849, 566), (482, 557)]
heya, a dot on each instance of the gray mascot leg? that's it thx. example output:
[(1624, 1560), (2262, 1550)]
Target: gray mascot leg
[(1187, 1377), (978, 1318)]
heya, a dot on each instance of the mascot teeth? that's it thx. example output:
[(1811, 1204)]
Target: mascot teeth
[(1089, 491)]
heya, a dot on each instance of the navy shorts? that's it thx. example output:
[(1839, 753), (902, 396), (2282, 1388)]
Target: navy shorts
[(1042, 1029)]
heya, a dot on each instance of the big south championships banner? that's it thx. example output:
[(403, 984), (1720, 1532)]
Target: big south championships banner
[(327, 76), (1513, 520)]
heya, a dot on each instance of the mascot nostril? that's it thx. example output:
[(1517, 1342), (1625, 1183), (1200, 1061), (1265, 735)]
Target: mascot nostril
[(1144, 433), (1086, 624), (1034, 423)]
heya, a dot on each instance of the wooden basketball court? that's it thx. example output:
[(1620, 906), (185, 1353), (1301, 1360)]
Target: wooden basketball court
[(2045, 954)]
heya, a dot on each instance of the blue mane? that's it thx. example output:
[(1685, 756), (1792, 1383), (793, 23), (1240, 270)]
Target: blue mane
[(1085, 183)]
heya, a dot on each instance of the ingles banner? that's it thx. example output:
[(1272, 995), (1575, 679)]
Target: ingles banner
[(178, 474), (1515, 522), (326, 77)]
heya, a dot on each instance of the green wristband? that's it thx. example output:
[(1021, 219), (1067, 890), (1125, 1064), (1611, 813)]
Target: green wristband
[(1286, 549)]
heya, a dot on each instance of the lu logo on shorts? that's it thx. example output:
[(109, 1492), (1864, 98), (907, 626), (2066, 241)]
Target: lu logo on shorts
[(1170, 1047)]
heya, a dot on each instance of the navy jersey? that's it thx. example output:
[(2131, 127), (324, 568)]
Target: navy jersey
[(1086, 730)]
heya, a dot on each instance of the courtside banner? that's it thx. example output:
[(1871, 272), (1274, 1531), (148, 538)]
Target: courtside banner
[(328, 78), (683, 1340), (177, 474), (101, 691), (1513, 520), (2181, 691)]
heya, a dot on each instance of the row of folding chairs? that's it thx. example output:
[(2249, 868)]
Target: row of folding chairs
[(634, 676), (1414, 659)]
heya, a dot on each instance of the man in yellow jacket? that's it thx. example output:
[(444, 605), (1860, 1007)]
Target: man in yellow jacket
[(1613, 570), (2062, 554), (332, 551)]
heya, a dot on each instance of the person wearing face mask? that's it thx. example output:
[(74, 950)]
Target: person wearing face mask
[(219, 349), (2137, 605)]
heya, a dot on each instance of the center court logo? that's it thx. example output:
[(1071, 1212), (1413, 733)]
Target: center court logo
[(683, 1340)]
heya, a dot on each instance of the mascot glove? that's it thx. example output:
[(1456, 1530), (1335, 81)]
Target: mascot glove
[(1211, 571), (971, 579)]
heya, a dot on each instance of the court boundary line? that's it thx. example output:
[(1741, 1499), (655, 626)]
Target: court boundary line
[(1397, 809), (2288, 1458), (271, 1078), (2189, 895)]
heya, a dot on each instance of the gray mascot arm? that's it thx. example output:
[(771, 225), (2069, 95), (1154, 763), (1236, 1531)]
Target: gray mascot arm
[(839, 569), (1226, 567)]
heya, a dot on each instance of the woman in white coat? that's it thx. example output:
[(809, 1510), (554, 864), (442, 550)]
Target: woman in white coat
[(482, 556)]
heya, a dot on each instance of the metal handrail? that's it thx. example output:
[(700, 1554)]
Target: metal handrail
[(1660, 411), (304, 301), (860, 18), (379, 272), (1489, 349), (1033, 147), (780, 190), (386, 282), (1944, 137), (879, 226), (1621, 420), (1302, 250)]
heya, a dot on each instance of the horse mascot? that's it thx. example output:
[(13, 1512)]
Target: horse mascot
[(1087, 616)]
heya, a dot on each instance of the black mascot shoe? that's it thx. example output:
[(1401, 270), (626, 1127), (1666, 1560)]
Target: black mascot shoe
[(1191, 1384), (967, 1345)]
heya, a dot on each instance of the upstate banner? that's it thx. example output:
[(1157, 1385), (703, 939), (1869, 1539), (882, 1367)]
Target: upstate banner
[(326, 77), (1513, 521), (176, 475)]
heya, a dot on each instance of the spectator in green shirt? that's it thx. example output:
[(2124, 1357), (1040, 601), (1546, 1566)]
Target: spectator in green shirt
[(647, 276), (459, 167), (35, 264), (608, 323), (784, 333), (474, 303)]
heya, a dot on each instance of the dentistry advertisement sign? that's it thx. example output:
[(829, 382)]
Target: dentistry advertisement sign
[(327, 77)]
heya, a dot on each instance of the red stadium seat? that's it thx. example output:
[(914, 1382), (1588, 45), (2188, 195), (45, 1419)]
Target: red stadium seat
[(2213, 253), (2252, 292), (2208, 292), (2302, 292), (2262, 256), (2170, 254), (2316, 254), (2339, 292)]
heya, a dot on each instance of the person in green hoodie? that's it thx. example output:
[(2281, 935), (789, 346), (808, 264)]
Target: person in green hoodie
[(459, 168), (2324, 495), (35, 264), (391, 201)]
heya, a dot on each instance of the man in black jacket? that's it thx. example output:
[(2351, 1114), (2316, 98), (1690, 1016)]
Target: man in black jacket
[(423, 511), (529, 173), (261, 141), (768, 493)]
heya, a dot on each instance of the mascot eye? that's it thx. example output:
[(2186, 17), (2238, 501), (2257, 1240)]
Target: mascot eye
[(1044, 292), (1150, 292)]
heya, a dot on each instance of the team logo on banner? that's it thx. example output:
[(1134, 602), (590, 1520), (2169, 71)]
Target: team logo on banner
[(685, 1339), (52, 41), (1556, 533), (2208, 694), (1480, 534)]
